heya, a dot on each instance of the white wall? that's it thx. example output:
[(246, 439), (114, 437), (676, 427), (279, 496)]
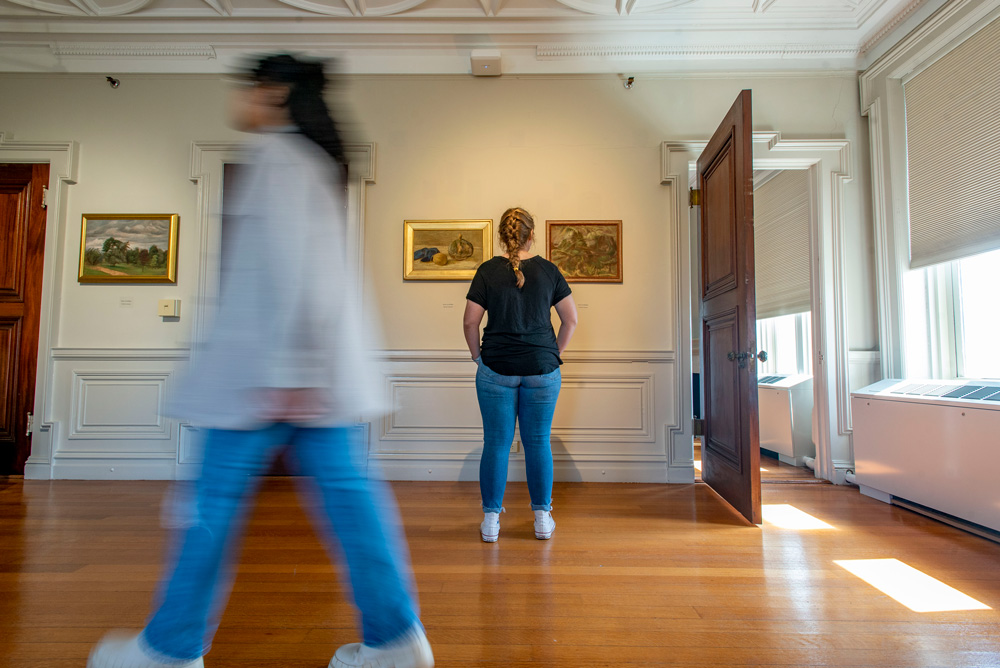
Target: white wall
[(446, 147)]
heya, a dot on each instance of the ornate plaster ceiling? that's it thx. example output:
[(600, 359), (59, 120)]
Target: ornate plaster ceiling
[(437, 36)]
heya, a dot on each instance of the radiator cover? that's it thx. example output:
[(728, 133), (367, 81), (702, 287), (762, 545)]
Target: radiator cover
[(934, 443)]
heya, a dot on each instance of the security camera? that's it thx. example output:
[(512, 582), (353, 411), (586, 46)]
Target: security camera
[(114, 83), (629, 82)]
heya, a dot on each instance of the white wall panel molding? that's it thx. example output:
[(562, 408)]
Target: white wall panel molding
[(611, 420), (208, 159), (116, 354), (881, 87), (63, 158), (865, 368), (462, 355), (111, 416), (119, 406), (431, 407), (830, 164), (189, 450)]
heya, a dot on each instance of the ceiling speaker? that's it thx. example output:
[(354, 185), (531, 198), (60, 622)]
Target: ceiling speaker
[(485, 63)]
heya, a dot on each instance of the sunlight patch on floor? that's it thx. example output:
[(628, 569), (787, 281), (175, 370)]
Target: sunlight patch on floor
[(790, 517), (916, 590)]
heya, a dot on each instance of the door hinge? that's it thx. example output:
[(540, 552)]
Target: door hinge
[(698, 427), (45, 197), (31, 422), (695, 197)]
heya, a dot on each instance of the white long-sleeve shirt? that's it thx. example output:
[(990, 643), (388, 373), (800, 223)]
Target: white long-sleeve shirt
[(288, 315)]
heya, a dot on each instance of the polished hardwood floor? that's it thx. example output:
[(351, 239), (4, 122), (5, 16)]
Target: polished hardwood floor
[(635, 575)]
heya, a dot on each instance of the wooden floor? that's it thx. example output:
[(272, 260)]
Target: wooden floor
[(635, 575)]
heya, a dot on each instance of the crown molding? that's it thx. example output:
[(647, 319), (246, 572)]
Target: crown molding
[(436, 36), (876, 36), (91, 50), (698, 51)]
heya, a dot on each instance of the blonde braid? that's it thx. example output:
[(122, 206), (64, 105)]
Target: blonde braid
[(516, 226)]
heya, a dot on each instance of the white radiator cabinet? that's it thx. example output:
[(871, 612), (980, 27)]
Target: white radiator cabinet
[(785, 412), (940, 453)]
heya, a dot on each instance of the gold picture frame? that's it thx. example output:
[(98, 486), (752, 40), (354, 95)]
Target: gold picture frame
[(128, 248), (586, 251), (445, 250)]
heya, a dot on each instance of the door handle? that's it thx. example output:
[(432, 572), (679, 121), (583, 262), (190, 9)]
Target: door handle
[(743, 358)]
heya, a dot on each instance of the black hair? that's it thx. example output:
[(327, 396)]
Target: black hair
[(306, 80)]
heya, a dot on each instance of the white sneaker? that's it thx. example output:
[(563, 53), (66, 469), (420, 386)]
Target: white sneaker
[(544, 524), (410, 651), (120, 649), (489, 529)]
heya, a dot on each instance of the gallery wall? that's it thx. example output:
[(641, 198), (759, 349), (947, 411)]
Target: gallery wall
[(580, 147)]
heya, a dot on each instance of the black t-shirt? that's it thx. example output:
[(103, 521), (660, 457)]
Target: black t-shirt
[(519, 339)]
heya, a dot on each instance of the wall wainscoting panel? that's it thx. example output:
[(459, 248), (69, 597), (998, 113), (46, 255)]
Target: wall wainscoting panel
[(611, 423), (616, 411), (110, 405), (864, 368)]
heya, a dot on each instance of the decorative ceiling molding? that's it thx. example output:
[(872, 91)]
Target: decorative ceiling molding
[(85, 7), (354, 7), (761, 6), (623, 7), (436, 36), (90, 50), (900, 16), (706, 51), (224, 7)]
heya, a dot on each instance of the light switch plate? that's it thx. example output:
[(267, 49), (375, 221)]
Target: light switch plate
[(169, 308)]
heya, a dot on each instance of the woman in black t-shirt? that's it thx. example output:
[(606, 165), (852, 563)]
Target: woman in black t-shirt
[(518, 379)]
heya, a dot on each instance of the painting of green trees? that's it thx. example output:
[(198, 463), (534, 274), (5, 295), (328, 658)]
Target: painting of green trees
[(132, 248)]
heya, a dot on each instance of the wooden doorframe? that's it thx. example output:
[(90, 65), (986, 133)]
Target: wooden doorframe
[(831, 161), (63, 160)]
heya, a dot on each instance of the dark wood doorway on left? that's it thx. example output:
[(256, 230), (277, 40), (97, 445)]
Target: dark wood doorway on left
[(22, 249)]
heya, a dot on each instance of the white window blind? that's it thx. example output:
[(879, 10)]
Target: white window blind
[(953, 152), (781, 244)]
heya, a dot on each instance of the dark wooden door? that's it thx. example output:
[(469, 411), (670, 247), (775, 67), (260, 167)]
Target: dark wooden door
[(730, 450), (22, 244)]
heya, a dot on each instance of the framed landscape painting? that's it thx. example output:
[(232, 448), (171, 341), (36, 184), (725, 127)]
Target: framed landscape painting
[(128, 248), (445, 250), (586, 251)]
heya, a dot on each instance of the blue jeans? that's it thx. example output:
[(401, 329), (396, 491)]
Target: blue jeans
[(356, 512), (530, 401)]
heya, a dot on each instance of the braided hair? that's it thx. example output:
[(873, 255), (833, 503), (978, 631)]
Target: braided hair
[(516, 226), (306, 81)]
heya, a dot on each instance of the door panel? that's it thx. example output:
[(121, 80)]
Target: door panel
[(719, 262), (724, 437), (730, 452), (22, 240)]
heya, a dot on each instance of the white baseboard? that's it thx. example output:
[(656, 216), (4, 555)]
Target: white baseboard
[(37, 471), (467, 469), (118, 469)]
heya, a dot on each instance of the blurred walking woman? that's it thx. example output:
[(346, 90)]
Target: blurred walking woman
[(518, 378), (284, 365)]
